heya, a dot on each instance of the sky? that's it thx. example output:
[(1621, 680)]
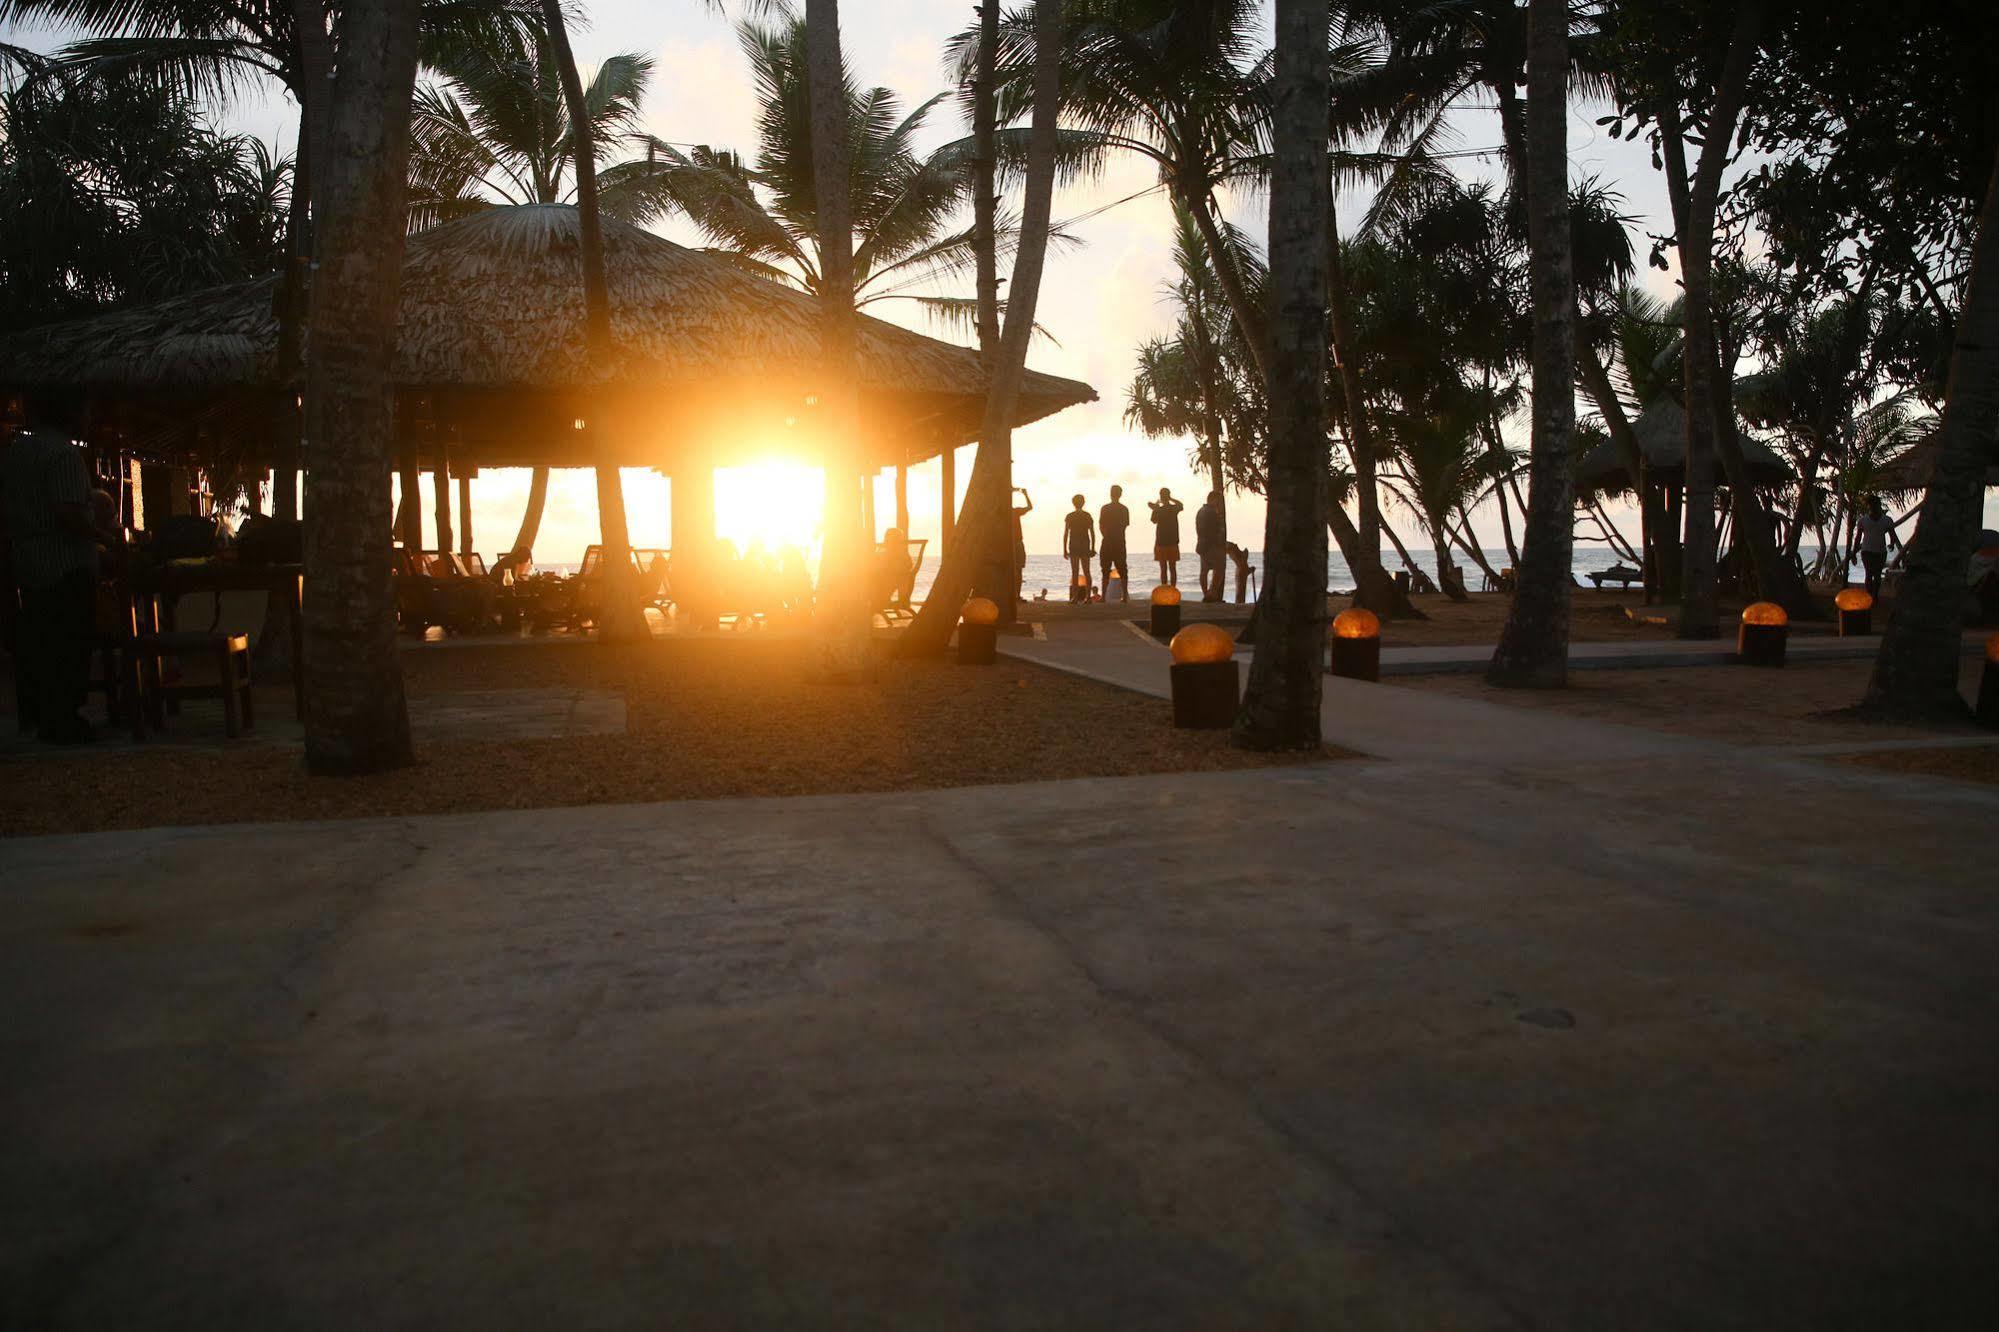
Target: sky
[(1099, 299)]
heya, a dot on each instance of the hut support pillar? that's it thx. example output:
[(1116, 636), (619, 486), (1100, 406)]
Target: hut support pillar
[(442, 479), (902, 496), (948, 508), (692, 495), (465, 513), (868, 480), (411, 529)]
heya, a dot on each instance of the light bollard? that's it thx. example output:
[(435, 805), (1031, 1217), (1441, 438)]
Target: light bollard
[(1856, 611), (1207, 682), (978, 632), (1356, 642), (1165, 612), (1988, 686), (1766, 628)]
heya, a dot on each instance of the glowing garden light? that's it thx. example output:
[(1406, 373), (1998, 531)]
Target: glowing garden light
[(1207, 681), (1356, 644), (978, 632), (1766, 629), (1165, 612), (1856, 611)]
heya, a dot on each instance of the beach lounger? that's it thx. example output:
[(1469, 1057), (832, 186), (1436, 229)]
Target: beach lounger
[(1621, 574)]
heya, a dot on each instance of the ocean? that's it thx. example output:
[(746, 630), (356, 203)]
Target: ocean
[(1051, 572)]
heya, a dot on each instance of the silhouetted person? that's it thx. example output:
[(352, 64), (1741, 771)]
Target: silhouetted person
[(1166, 535), (54, 541), (1020, 511), (1079, 543), (1211, 543), (1873, 533), (1112, 520)]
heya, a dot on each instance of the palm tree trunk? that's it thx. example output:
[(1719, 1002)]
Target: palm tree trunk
[(984, 513), (1533, 650), (357, 720), (1915, 675), (1360, 427), (622, 620), (291, 330), (1699, 613), (1596, 382), (843, 613), (1466, 539), (531, 516), (995, 574), (1694, 205), (1374, 588), (1280, 707)]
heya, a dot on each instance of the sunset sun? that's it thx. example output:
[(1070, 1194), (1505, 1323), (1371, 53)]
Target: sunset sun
[(772, 504)]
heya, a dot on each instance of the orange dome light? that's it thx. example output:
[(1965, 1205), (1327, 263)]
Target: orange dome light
[(1165, 596), (1199, 644), (1765, 613), (1357, 623), (981, 610), (1992, 649), (1854, 599)]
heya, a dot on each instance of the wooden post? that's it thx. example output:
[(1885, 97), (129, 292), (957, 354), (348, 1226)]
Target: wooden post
[(465, 513), (441, 478), (868, 505), (692, 495), (412, 530), (902, 496), (948, 522)]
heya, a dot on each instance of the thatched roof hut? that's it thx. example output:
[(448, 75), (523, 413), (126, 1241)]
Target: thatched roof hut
[(492, 355), (1662, 437), (1909, 472)]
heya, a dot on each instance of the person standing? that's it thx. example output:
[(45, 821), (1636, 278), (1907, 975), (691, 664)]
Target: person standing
[(1020, 511), (1079, 543), (54, 542), (1874, 531), (1166, 535), (1112, 520), (1211, 543)]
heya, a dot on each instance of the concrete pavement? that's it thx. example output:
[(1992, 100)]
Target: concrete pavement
[(1409, 1044)]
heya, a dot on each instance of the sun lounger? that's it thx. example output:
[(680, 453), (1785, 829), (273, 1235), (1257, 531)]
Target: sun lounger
[(1621, 574)]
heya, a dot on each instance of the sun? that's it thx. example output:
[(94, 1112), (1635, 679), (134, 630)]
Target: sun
[(771, 504)]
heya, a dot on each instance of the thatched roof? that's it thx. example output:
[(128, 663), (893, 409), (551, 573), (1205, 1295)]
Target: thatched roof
[(1909, 471), (492, 345), (1662, 437)]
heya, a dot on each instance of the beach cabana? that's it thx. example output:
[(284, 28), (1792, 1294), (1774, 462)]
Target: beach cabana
[(714, 365), (1662, 437)]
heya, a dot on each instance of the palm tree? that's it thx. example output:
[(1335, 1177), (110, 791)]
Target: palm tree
[(1184, 384), (118, 191), (1915, 675), (843, 615), (219, 47), (984, 512), (1280, 707), (623, 620), (1533, 649), (763, 214), (357, 720), (493, 129)]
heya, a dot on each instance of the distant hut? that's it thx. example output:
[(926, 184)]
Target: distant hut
[(713, 363), (1662, 438)]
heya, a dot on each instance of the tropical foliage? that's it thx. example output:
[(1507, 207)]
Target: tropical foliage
[(116, 191)]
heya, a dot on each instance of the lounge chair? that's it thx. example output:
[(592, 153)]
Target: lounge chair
[(900, 603), (1621, 574)]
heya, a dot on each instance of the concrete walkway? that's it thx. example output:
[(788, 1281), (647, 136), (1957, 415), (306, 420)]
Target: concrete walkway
[(1356, 1045)]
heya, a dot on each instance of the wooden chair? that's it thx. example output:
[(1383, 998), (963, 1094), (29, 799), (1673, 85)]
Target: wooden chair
[(230, 655), (900, 601)]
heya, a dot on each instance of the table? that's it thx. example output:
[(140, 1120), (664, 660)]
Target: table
[(165, 585)]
